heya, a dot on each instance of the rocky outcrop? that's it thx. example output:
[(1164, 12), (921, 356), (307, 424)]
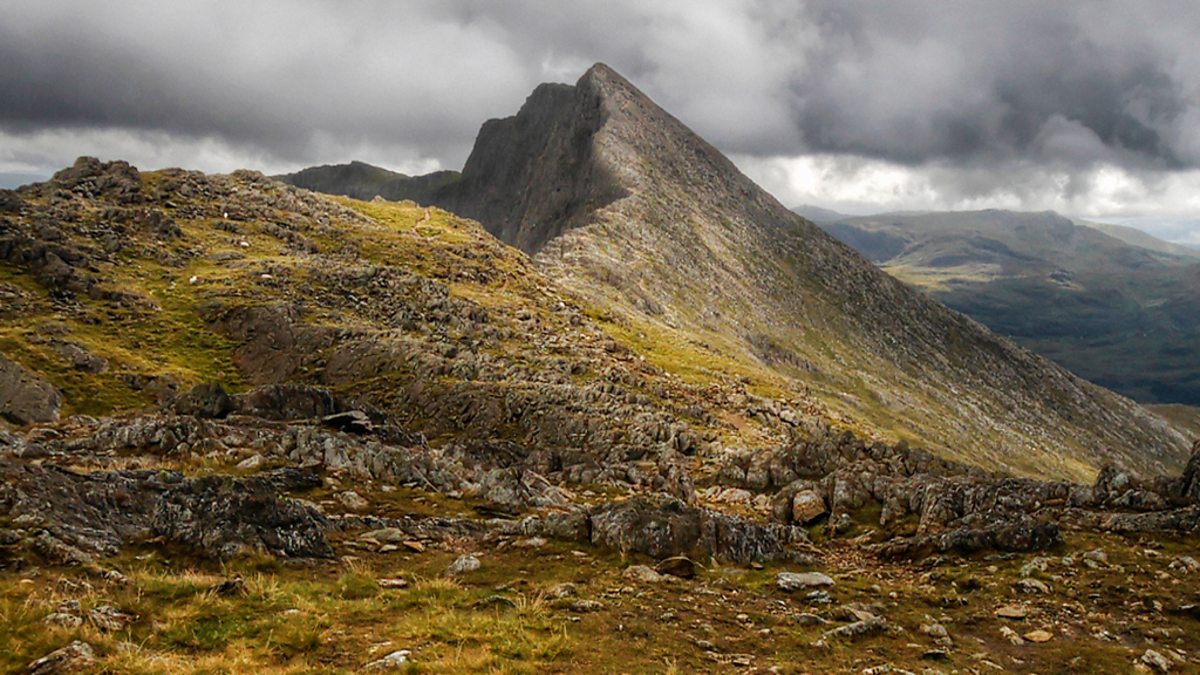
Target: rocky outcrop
[(909, 504), (663, 528), (224, 516), (70, 517), (24, 397), (923, 505), (205, 400)]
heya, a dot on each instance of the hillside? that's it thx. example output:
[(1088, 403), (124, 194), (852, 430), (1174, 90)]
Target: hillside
[(364, 181), (246, 427), (1142, 239), (1184, 417), (123, 290), (625, 206), (1117, 313), (817, 214)]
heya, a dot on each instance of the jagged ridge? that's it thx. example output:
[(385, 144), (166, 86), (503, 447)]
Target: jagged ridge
[(622, 203)]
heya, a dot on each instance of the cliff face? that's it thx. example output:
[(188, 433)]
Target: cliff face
[(534, 175), (623, 204)]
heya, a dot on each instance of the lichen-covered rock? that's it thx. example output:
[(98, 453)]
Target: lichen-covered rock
[(76, 657), (662, 527), (70, 517), (462, 565), (1017, 537), (807, 506), (790, 582), (26, 398), (224, 517), (205, 400)]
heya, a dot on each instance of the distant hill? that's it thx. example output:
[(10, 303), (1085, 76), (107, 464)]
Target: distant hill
[(1112, 304), (360, 180), (1136, 237), (818, 214)]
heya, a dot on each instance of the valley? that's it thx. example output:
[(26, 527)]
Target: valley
[(1116, 308)]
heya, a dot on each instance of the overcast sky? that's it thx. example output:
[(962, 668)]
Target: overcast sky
[(1090, 108)]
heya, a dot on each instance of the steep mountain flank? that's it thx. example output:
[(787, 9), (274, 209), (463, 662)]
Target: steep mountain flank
[(621, 203), (364, 181), (1119, 314)]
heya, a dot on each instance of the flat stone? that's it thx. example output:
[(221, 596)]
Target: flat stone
[(1014, 612), (1156, 661), (1032, 586), (935, 630), (1038, 636), (395, 660), (353, 421), (63, 619), (75, 657), (352, 500), (565, 589), (387, 535), (677, 566), (584, 606), (250, 463), (853, 631), (795, 581), (464, 564), (806, 619), (109, 619), (642, 574)]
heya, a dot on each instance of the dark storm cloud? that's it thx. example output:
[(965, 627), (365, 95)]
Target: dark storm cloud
[(973, 85), (915, 81)]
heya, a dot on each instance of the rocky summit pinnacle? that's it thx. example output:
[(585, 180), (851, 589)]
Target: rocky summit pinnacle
[(623, 204), (534, 175)]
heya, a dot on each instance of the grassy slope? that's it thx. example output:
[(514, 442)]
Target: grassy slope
[(164, 339), (1184, 417)]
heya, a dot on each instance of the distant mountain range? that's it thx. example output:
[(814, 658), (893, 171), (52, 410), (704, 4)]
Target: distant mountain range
[(1111, 303), (364, 181)]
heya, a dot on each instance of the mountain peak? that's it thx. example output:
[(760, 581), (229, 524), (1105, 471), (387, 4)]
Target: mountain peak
[(601, 69), (601, 72), (534, 175), (607, 84), (627, 207)]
